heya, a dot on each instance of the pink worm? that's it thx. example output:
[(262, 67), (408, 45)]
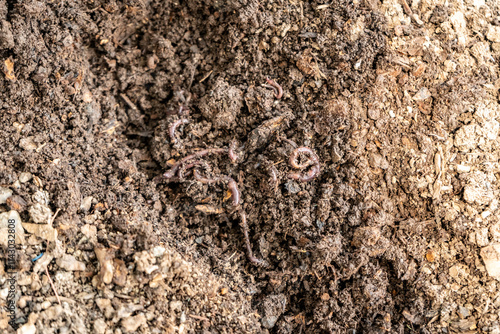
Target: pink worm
[(173, 127), (231, 184), (173, 170), (232, 155), (278, 90), (313, 160), (244, 228)]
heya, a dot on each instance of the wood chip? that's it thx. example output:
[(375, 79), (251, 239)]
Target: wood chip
[(209, 209), (9, 70)]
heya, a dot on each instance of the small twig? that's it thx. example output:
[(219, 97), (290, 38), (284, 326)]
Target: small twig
[(410, 13), (229, 259), (51, 220), (52, 284), (127, 100), (206, 76), (406, 8)]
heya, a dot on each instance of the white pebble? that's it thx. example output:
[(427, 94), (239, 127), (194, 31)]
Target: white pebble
[(4, 194), (25, 177), (491, 258)]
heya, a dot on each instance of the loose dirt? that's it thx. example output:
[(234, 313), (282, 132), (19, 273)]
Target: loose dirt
[(399, 232)]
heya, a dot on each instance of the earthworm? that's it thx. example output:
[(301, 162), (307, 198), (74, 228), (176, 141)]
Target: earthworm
[(289, 141), (233, 188), (295, 154), (189, 166), (311, 174), (231, 184), (273, 172), (313, 160), (183, 111), (278, 90), (173, 170), (173, 127), (203, 179), (181, 97), (244, 228), (232, 155)]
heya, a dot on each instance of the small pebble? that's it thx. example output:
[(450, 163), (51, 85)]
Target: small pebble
[(374, 113), (86, 204), (463, 169), (40, 213), (28, 144), (27, 329), (175, 305), (493, 33), (269, 321), (53, 312), (107, 269), (43, 231), (131, 324), (100, 326), (292, 187), (4, 194), (69, 263), (25, 177), (16, 203), (463, 312), (158, 251), (491, 258), (422, 94), (23, 301)]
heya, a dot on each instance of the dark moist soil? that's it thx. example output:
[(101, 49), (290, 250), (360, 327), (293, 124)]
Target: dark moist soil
[(88, 96)]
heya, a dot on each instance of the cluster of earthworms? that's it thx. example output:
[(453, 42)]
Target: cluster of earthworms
[(190, 165), (180, 170)]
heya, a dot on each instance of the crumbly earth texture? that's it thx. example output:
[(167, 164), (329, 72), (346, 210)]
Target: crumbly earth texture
[(399, 232)]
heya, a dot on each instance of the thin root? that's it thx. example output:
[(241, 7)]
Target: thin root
[(52, 285)]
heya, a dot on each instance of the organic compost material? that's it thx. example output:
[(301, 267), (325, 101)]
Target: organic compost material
[(246, 166)]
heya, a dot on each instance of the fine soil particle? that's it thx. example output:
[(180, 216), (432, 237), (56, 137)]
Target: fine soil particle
[(397, 99)]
